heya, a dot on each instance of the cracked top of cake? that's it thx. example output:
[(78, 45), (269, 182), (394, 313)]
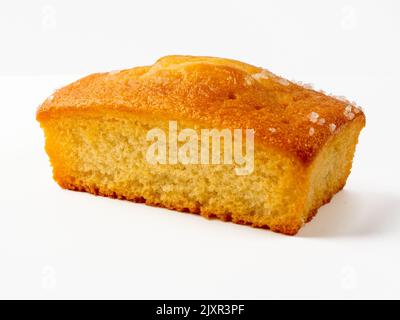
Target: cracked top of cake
[(217, 93)]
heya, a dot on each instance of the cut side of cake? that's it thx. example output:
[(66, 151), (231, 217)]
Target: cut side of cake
[(140, 134)]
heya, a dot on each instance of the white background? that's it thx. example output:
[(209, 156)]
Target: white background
[(61, 244)]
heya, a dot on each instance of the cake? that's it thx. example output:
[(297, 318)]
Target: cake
[(212, 136)]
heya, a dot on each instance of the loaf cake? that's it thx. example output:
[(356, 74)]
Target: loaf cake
[(291, 146)]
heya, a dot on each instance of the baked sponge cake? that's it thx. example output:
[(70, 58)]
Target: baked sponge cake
[(205, 135)]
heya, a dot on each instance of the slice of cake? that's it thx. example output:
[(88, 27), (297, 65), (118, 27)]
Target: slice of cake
[(205, 135)]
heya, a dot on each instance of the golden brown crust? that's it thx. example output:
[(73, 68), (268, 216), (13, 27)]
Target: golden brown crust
[(219, 93), (288, 229)]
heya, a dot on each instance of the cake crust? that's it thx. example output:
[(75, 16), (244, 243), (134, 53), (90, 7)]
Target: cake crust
[(217, 92)]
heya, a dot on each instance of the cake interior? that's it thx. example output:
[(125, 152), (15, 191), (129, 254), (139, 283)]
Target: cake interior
[(106, 155)]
